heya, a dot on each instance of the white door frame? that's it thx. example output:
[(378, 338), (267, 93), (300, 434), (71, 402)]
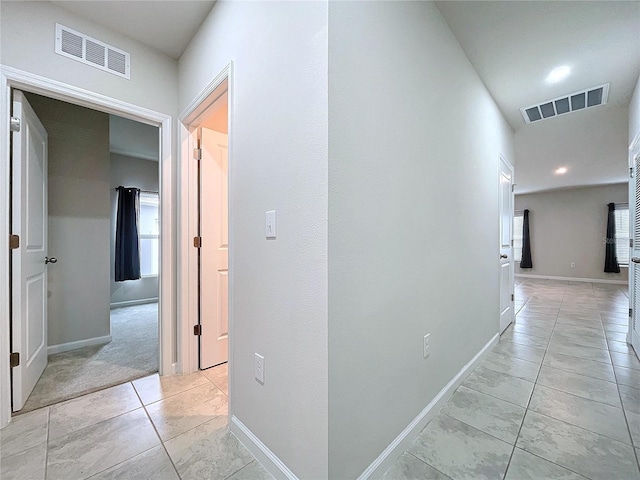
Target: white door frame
[(512, 288), (188, 215), (634, 151), (14, 78)]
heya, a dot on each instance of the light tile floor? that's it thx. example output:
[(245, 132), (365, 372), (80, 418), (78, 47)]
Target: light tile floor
[(153, 428), (557, 398)]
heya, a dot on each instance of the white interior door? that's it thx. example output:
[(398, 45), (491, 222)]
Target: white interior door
[(214, 273), (506, 244), (633, 335), (29, 270)]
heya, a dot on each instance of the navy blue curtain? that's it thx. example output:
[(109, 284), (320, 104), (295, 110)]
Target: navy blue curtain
[(611, 259), (526, 261), (127, 239)]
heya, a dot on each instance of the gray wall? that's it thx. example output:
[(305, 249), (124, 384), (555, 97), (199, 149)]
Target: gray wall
[(414, 146), (279, 162), (79, 220), (130, 172), (569, 226)]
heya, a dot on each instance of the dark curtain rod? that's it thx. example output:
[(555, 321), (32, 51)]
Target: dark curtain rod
[(141, 191)]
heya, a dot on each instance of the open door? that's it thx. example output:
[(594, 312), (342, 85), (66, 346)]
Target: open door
[(214, 269), (633, 335), (505, 179), (29, 260)]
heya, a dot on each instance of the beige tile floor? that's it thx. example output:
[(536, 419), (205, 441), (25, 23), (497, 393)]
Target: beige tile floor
[(152, 428), (557, 398)]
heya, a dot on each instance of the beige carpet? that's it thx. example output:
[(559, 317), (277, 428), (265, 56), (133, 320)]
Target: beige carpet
[(132, 353)]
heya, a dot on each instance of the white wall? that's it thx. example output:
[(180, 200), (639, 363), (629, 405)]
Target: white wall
[(581, 141), (278, 161), (130, 172), (570, 226), (414, 145), (27, 35), (78, 304), (634, 113)]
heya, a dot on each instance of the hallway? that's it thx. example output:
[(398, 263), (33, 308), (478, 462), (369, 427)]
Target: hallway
[(562, 387)]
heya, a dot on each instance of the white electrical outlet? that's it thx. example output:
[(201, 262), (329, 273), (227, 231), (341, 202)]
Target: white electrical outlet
[(259, 368), (426, 346)]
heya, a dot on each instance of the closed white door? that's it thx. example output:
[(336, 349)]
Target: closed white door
[(505, 179), (29, 270), (633, 335), (214, 269)]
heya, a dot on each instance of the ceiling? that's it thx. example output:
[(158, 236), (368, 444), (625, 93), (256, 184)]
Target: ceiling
[(167, 26), (515, 44)]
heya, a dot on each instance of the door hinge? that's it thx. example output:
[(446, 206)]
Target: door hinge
[(631, 243), (14, 242), (197, 330), (513, 187), (14, 359), (197, 242), (513, 297), (197, 154), (512, 243), (15, 124), (631, 312), (630, 172)]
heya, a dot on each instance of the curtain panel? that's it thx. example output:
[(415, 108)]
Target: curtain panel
[(127, 254), (526, 261), (611, 259)]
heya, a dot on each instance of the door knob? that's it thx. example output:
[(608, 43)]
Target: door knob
[(50, 260), (635, 260), (504, 255)]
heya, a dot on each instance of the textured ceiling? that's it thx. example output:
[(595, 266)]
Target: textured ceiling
[(515, 44), (167, 26)]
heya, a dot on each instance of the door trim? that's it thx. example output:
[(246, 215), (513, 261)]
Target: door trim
[(634, 151), (187, 278), (503, 159), (14, 78)]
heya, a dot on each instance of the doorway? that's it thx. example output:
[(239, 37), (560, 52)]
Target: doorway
[(207, 298), (211, 130), (507, 294), (90, 345)]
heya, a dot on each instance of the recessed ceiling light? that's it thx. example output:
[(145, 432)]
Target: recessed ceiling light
[(561, 170), (558, 74)]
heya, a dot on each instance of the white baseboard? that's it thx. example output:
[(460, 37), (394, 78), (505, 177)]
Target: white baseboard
[(573, 279), (260, 451), (89, 342), (130, 303), (406, 437)]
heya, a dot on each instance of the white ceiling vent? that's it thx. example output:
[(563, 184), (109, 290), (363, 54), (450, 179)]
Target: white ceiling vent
[(591, 97), (90, 51)]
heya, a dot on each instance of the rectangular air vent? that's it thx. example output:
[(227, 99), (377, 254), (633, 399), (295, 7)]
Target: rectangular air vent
[(90, 51), (591, 97)]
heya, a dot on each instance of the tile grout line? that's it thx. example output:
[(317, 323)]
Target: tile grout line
[(426, 463), (164, 447), (46, 444), (526, 408)]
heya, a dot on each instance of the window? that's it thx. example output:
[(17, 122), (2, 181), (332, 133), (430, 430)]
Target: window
[(518, 221), (149, 234), (621, 215)]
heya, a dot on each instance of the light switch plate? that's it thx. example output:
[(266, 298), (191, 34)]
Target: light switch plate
[(270, 224)]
